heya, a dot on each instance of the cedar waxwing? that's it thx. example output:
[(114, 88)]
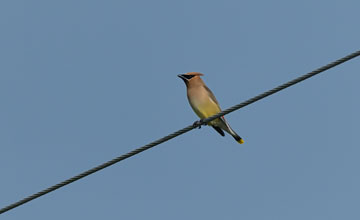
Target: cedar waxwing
[(204, 103)]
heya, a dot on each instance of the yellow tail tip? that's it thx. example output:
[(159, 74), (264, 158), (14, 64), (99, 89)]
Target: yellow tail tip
[(241, 141)]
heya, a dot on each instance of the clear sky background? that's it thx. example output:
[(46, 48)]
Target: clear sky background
[(82, 82)]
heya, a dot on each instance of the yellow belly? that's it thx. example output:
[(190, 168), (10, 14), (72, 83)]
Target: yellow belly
[(205, 110)]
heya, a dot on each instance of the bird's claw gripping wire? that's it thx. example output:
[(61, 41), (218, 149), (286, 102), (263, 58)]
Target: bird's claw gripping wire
[(198, 124)]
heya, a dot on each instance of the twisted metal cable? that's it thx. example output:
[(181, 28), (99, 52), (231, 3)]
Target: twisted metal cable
[(179, 132), (281, 87)]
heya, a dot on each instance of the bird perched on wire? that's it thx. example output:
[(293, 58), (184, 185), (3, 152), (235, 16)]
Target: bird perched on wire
[(204, 103)]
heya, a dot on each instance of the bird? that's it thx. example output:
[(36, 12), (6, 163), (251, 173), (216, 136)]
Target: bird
[(204, 103)]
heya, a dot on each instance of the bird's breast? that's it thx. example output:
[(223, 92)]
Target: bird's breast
[(202, 104)]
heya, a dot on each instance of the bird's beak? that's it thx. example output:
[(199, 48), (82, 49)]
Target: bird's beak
[(182, 77)]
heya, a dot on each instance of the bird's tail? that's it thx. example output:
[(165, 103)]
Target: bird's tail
[(238, 138), (226, 127)]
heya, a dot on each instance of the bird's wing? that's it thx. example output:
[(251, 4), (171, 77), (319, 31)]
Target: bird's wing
[(211, 95)]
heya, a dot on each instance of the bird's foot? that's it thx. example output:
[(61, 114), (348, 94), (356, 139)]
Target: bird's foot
[(198, 123)]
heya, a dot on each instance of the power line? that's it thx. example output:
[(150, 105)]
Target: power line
[(179, 132)]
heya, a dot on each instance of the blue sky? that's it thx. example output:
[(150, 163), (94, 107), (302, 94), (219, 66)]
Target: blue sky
[(82, 82)]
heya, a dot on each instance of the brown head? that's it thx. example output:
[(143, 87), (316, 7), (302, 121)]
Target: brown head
[(192, 78)]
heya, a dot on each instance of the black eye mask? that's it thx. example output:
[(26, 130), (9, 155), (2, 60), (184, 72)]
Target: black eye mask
[(188, 76)]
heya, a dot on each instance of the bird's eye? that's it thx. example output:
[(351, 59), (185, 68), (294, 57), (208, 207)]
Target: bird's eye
[(188, 76)]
